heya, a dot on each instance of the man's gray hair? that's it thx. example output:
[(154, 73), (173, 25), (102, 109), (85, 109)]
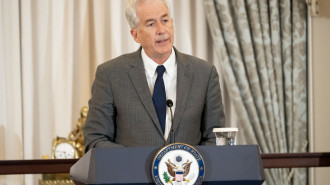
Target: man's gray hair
[(131, 7)]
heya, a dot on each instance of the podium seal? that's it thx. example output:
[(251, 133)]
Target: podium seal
[(177, 164)]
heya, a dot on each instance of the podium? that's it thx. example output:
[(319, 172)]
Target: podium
[(225, 165)]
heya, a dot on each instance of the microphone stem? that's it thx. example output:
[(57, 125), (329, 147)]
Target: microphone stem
[(172, 137)]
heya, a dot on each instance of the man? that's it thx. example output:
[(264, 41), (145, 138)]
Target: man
[(128, 104)]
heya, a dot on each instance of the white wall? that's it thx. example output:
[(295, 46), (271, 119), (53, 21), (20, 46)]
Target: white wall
[(320, 89)]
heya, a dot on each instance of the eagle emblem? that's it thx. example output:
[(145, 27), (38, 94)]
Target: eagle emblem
[(178, 172), (178, 164)]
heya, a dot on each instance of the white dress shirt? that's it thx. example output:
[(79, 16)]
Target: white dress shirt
[(169, 77)]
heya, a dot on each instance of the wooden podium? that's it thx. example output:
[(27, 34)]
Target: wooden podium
[(225, 165)]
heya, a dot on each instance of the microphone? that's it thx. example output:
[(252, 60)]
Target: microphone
[(169, 103)]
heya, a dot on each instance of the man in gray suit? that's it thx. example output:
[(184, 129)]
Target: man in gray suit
[(128, 103)]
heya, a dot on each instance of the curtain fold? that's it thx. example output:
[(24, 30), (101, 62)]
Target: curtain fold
[(11, 118), (263, 63)]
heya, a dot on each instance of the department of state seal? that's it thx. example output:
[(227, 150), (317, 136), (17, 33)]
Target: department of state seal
[(178, 164)]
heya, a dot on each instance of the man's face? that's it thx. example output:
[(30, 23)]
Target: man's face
[(155, 30)]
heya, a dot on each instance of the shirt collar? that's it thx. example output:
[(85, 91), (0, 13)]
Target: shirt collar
[(150, 66)]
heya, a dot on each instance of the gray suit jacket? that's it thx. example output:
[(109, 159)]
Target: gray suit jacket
[(121, 111)]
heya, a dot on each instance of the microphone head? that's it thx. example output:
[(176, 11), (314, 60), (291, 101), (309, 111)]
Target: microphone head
[(169, 103)]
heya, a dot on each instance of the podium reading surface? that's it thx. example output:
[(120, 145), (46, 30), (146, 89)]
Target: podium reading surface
[(225, 165)]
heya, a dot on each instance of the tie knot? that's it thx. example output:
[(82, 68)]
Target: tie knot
[(160, 70)]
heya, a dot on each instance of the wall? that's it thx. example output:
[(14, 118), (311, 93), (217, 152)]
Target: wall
[(320, 89)]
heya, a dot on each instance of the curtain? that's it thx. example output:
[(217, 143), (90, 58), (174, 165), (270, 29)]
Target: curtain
[(10, 76), (49, 51), (262, 50)]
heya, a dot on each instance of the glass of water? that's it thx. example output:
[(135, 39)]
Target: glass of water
[(225, 136)]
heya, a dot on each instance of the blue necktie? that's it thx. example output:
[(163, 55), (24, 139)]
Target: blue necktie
[(159, 97)]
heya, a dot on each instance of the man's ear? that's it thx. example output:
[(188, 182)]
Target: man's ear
[(134, 34)]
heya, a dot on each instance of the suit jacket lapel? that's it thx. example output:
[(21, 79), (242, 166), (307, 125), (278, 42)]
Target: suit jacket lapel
[(184, 81), (138, 78)]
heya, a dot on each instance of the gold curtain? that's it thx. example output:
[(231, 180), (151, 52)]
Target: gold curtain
[(262, 51)]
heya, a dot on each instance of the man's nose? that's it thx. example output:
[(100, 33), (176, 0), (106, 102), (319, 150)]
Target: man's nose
[(160, 29)]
